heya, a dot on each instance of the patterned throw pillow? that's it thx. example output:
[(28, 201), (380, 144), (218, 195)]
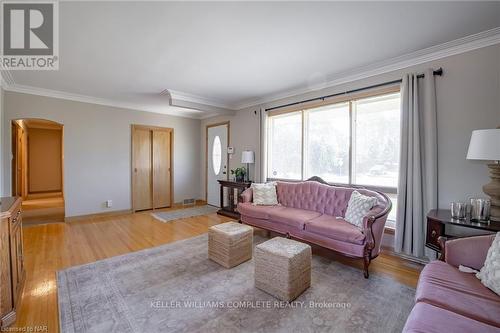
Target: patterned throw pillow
[(359, 205), (264, 194), (490, 273)]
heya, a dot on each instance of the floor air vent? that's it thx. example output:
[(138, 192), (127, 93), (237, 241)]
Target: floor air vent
[(188, 202)]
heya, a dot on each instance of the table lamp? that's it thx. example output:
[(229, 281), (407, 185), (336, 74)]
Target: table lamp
[(485, 145), (247, 157)]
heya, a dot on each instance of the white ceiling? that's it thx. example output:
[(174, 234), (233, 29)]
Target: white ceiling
[(233, 53)]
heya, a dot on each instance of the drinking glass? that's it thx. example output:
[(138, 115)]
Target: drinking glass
[(458, 210), (480, 209)]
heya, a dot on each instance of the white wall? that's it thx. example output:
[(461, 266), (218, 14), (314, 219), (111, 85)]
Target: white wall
[(468, 98), (97, 150)]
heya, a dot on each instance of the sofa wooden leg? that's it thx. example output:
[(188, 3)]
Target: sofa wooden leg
[(366, 263)]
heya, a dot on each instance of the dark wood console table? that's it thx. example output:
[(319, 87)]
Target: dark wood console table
[(234, 189), (437, 219)]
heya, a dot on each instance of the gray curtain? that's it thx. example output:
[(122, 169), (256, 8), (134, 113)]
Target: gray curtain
[(418, 169), (263, 145)]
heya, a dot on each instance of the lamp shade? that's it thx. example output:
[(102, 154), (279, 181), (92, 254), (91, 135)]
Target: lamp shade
[(247, 156), (484, 145)]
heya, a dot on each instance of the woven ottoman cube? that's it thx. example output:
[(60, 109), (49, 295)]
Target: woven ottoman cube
[(230, 244), (283, 268)]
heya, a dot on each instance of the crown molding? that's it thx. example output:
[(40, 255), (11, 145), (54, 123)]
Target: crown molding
[(5, 78), (91, 100), (186, 97), (188, 101), (457, 46)]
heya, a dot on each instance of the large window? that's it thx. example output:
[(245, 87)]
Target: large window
[(376, 141), (285, 147), (353, 142), (326, 143)]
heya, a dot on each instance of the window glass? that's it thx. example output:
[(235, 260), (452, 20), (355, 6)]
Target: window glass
[(324, 141), (376, 141), (285, 146), (391, 218), (216, 155), (327, 143)]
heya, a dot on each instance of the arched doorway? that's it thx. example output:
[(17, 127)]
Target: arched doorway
[(37, 169)]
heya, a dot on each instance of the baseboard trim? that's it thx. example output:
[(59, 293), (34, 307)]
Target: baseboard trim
[(128, 211), (97, 215)]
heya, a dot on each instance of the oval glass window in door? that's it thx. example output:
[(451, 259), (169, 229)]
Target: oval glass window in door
[(216, 155)]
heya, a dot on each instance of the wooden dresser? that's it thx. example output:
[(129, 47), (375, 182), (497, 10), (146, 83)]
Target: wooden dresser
[(11, 259)]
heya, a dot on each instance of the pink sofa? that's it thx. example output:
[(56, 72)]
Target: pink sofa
[(448, 300), (313, 211)]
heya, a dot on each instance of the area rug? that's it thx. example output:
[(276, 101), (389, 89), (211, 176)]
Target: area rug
[(176, 288), (184, 213)]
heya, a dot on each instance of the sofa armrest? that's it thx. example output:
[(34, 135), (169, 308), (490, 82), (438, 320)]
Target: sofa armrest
[(370, 217), (373, 228), (246, 195), (468, 251)]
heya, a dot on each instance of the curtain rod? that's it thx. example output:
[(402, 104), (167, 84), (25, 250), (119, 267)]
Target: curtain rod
[(438, 72)]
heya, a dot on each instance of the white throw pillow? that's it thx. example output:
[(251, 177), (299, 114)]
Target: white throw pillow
[(264, 194), (490, 273), (359, 205)]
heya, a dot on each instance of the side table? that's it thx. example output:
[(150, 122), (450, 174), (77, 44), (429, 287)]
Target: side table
[(234, 189), (437, 219)]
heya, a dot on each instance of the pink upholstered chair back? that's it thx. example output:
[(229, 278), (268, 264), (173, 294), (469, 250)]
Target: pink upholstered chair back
[(322, 198)]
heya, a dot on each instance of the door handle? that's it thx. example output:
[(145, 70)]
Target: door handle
[(135, 169)]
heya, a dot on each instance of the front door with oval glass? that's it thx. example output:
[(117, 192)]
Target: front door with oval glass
[(217, 141)]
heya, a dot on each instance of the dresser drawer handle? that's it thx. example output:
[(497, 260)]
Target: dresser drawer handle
[(15, 219)]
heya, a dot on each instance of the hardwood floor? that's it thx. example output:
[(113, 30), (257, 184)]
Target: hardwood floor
[(55, 246), (37, 210)]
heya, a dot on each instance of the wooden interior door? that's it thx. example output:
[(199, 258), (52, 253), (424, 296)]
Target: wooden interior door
[(161, 168), (142, 169), (17, 160)]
